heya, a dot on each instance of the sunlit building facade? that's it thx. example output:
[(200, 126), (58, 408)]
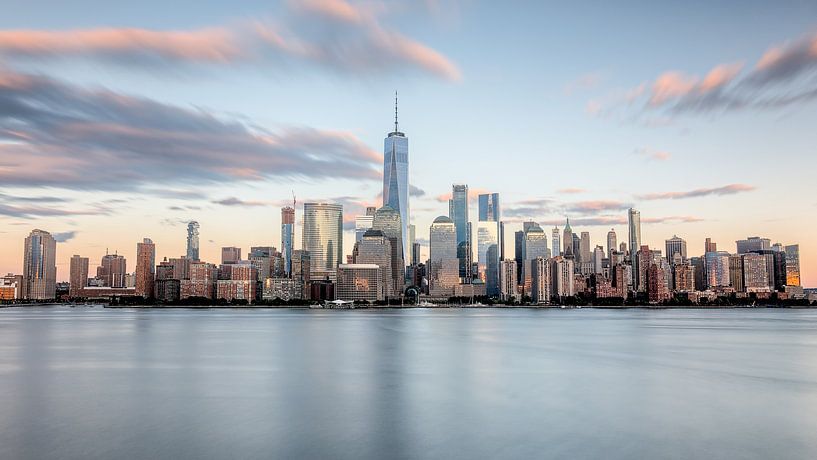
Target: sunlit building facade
[(323, 238)]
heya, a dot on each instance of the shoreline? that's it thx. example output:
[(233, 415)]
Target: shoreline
[(410, 307)]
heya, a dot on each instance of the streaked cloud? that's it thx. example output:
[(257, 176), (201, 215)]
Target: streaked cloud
[(348, 38), (233, 201), (571, 191), (60, 135), (730, 189), (784, 75), (595, 206)]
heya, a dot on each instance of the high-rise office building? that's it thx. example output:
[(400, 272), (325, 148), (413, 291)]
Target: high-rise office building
[(561, 275), (508, 280), (584, 247), (792, 265), (710, 246), (611, 243), (519, 254), (541, 284), (323, 238), (145, 267), (535, 246), (556, 242), (387, 220), (412, 237), (458, 212), (359, 282), (78, 276), (443, 265), (488, 242), (287, 237), (598, 260), (634, 233), (362, 225), (230, 255), (736, 272), (753, 244), (717, 269), (567, 240), (396, 178), (39, 266), (755, 277), (193, 240), (676, 245), (375, 248), (112, 270)]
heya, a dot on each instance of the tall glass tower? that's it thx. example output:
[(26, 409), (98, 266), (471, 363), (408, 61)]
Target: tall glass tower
[(488, 241), (634, 227), (193, 240), (323, 238), (458, 212), (287, 233), (395, 177)]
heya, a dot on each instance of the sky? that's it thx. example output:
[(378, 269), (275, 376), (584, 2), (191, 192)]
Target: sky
[(125, 120)]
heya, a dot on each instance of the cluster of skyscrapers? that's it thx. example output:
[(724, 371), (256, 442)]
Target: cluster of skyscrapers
[(385, 265)]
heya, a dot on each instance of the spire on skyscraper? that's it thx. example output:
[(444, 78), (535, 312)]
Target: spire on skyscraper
[(395, 112)]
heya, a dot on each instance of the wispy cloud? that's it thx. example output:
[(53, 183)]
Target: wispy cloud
[(595, 206), (783, 76), (571, 191), (348, 38), (62, 237), (61, 135), (730, 189), (651, 154), (233, 201)]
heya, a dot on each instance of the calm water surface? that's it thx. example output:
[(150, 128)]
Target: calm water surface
[(88, 383)]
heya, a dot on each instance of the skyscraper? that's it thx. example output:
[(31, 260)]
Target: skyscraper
[(556, 244), (488, 241), (39, 266), (611, 244), (112, 270), (753, 244), (387, 220), (458, 212), (396, 178), (230, 255), (362, 225), (323, 238), (145, 267), (287, 236), (443, 266), (567, 240), (375, 248), (584, 248), (536, 245), (676, 245), (792, 265), (78, 276), (634, 228), (193, 240)]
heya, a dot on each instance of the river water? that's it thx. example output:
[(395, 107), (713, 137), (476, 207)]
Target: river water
[(94, 383)]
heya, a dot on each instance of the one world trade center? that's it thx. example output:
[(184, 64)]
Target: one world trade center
[(395, 176)]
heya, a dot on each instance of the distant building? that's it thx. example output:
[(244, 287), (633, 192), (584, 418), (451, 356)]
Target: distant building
[(676, 245), (684, 277), (285, 289), (541, 283), (362, 224), (736, 272), (753, 244), (359, 282), (792, 265), (458, 213), (287, 237), (387, 221), (507, 280), (443, 263), (584, 247), (375, 248), (168, 290), (230, 255), (11, 287), (755, 277), (561, 272), (611, 244), (241, 285), (657, 284), (112, 270), (78, 278), (201, 283), (323, 238), (39, 266), (634, 231), (488, 241), (556, 242), (535, 247), (717, 269), (193, 240), (145, 267)]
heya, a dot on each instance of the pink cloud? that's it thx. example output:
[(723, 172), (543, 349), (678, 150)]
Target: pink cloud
[(730, 189)]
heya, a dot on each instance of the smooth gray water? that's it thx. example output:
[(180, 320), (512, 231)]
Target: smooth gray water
[(89, 383)]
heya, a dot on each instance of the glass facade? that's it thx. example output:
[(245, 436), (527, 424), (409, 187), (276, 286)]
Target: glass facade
[(395, 180), (193, 240), (323, 238)]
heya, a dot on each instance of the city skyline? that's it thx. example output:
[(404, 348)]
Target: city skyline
[(686, 172)]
